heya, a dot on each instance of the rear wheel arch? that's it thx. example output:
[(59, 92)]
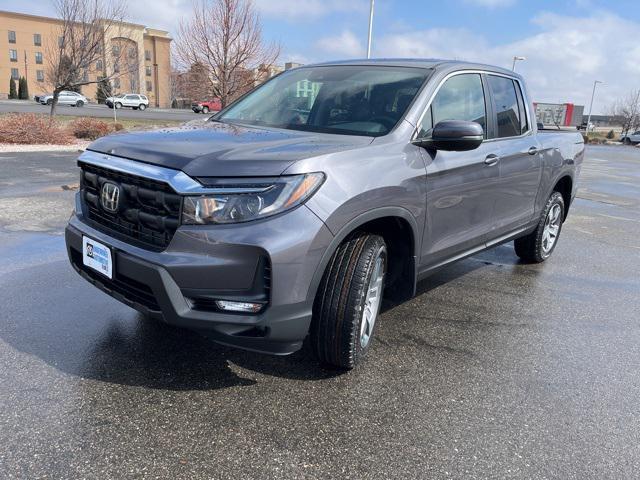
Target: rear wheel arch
[(564, 186)]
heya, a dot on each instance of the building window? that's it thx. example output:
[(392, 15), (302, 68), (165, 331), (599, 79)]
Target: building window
[(132, 52), (85, 76), (40, 75), (39, 58), (133, 84), (12, 36), (60, 42), (37, 40), (116, 83), (13, 55), (116, 67), (116, 50), (148, 71), (147, 55), (149, 86), (15, 74), (99, 65)]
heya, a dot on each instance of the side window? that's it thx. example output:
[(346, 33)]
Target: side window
[(507, 112), (524, 120), (460, 98)]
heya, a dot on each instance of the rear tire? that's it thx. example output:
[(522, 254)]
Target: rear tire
[(142, 106), (348, 301), (205, 110), (540, 244), (79, 103)]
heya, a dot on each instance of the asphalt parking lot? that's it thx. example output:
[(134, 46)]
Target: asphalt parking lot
[(496, 369), (100, 111)]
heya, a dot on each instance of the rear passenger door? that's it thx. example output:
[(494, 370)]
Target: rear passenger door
[(520, 158), (460, 185), (132, 100)]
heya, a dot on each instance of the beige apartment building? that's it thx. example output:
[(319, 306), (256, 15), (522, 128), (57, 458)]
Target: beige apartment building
[(25, 41)]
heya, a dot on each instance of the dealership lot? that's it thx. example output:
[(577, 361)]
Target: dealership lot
[(496, 369), (100, 111)]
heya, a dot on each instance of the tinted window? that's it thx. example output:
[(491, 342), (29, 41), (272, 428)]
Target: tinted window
[(356, 100), (524, 121), (460, 98), (504, 95)]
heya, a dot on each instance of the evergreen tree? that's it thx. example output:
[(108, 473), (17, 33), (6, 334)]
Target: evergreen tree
[(13, 94), (23, 89), (104, 90)]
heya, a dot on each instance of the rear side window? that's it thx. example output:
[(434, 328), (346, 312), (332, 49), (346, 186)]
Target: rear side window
[(506, 102), (460, 98), (524, 123)]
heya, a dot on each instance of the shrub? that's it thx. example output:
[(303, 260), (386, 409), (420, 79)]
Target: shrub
[(29, 128), (13, 94), (89, 128), (611, 135), (117, 127)]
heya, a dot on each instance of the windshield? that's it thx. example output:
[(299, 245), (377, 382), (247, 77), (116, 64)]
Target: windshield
[(349, 100)]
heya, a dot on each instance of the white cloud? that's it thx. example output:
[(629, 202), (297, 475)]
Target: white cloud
[(299, 10), (562, 62), (345, 45), (492, 3)]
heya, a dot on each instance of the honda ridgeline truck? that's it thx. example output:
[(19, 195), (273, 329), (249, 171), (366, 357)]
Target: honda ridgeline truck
[(294, 211)]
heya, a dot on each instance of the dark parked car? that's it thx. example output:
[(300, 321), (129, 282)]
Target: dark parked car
[(297, 209), (207, 106)]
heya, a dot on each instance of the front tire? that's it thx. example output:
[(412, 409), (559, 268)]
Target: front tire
[(118, 105), (540, 244), (205, 110), (79, 103), (348, 301)]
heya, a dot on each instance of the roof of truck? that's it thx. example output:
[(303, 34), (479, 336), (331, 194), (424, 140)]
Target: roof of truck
[(419, 63)]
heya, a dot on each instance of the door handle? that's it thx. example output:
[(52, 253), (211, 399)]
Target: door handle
[(532, 151), (491, 159)]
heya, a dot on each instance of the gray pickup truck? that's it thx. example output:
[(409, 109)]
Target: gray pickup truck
[(296, 210)]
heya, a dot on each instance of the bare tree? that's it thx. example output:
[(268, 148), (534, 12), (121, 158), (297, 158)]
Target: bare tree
[(627, 109), (225, 38), (80, 47)]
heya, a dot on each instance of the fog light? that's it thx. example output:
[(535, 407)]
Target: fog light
[(238, 306)]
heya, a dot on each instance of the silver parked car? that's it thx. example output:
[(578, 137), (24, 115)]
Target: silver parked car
[(132, 100), (294, 211), (66, 97)]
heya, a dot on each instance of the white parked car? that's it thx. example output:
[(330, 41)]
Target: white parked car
[(133, 100), (629, 138), (66, 97)]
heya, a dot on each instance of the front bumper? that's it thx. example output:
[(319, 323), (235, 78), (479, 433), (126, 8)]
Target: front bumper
[(219, 262)]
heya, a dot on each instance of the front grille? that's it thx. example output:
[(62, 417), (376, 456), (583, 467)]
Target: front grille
[(148, 213)]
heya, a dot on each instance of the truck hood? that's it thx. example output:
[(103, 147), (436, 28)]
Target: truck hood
[(220, 149)]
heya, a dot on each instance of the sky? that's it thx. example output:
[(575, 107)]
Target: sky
[(567, 43)]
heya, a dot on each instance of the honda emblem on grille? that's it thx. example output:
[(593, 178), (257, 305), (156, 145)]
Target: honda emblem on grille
[(109, 197)]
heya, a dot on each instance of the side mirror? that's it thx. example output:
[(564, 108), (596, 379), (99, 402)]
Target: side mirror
[(453, 135)]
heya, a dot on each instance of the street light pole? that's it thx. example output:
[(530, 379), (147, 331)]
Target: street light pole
[(370, 29), (593, 94), (515, 59)]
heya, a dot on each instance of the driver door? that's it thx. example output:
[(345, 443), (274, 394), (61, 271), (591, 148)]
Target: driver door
[(461, 186)]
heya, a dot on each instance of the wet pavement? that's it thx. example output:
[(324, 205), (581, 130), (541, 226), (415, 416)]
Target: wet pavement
[(495, 370)]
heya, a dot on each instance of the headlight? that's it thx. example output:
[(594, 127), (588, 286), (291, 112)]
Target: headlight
[(237, 201)]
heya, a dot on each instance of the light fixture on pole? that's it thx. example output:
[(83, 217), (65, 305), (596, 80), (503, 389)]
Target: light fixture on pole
[(370, 30), (593, 94), (517, 59)]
